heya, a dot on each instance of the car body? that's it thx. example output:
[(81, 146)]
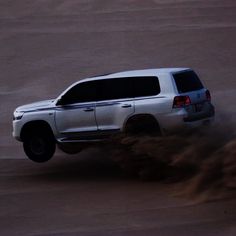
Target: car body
[(93, 109)]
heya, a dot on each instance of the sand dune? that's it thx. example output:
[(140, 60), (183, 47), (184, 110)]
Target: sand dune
[(48, 44)]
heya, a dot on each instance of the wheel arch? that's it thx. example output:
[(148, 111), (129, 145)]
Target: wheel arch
[(38, 125), (143, 117)]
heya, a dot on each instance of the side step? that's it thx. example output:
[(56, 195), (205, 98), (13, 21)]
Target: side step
[(73, 140)]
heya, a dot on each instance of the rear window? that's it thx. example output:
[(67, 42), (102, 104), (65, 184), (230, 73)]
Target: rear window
[(187, 81)]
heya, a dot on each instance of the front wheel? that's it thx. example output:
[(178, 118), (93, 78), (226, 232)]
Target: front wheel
[(39, 147)]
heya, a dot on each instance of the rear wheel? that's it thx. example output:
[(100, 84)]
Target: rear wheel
[(38, 146), (142, 125)]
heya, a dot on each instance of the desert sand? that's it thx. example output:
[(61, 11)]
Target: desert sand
[(45, 46)]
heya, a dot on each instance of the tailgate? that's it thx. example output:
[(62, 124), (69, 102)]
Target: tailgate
[(188, 84)]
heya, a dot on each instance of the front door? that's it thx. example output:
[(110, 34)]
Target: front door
[(75, 113)]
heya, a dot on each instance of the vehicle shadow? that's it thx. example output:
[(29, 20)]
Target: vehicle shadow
[(90, 164)]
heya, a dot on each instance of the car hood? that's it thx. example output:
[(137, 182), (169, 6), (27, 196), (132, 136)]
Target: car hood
[(37, 106)]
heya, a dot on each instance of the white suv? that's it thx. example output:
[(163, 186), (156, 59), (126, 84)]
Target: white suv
[(91, 110)]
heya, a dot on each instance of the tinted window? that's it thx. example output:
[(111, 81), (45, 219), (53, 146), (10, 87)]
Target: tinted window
[(146, 86), (84, 92), (114, 89), (187, 81)]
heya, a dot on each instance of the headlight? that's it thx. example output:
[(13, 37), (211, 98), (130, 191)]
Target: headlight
[(18, 115)]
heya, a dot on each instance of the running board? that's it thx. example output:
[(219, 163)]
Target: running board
[(67, 140), (88, 137)]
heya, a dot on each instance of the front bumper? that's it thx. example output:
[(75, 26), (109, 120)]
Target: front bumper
[(16, 130)]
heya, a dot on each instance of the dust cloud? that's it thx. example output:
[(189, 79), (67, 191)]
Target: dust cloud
[(199, 161)]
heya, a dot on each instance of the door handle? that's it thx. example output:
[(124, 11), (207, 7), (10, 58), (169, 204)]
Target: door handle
[(88, 109), (126, 105)]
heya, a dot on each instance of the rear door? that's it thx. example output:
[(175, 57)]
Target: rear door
[(146, 91), (114, 104)]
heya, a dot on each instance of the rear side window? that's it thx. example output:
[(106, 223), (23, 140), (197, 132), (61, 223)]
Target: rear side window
[(127, 87), (187, 81), (146, 86), (117, 88)]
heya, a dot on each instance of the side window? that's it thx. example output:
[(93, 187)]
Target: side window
[(146, 86), (83, 92), (114, 89)]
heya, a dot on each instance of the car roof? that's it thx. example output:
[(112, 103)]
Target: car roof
[(131, 73), (135, 73)]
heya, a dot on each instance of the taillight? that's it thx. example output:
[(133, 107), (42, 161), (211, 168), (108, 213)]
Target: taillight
[(208, 95), (181, 101)]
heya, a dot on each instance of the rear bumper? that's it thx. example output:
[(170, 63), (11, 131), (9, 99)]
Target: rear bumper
[(181, 118), (207, 112), (199, 123)]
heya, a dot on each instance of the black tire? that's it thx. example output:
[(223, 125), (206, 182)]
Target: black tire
[(39, 147), (143, 125)]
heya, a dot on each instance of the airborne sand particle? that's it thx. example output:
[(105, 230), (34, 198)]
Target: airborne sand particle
[(204, 160)]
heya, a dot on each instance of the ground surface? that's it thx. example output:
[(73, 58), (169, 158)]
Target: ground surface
[(45, 45)]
